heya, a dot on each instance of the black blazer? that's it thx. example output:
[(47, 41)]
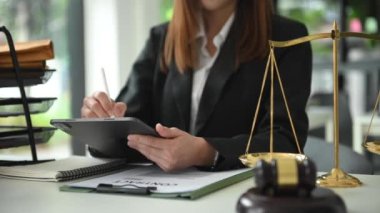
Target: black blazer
[(230, 94)]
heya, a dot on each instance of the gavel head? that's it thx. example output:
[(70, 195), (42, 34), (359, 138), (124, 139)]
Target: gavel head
[(285, 177)]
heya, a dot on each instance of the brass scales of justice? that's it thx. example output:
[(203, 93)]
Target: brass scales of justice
[(336, 177)]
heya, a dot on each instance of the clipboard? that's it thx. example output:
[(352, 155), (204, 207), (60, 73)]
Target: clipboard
[(107, 135), (151, 181)]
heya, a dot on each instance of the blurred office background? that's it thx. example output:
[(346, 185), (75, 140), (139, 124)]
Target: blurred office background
[(92, 34)]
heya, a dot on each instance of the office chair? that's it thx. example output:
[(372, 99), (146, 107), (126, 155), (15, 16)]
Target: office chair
[(322, 153), (345, 119)]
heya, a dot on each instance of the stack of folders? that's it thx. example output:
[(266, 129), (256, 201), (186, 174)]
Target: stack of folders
[(32, 57), (65, 169), (30, 54)]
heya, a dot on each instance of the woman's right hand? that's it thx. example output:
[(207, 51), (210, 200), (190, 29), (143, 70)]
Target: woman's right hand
[(99, 105)]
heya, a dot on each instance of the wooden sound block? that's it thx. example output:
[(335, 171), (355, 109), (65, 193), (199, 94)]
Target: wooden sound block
[(320, 200)]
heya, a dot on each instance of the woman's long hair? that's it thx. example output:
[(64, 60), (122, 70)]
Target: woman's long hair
[(252, 41)]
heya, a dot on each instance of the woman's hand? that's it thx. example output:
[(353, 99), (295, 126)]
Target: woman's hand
[(175, 150), (99, 105)]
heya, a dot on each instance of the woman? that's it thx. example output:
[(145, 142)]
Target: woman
[(198, 81)]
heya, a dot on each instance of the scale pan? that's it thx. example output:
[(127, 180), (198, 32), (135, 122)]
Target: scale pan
[(373, 146), (251, 159)]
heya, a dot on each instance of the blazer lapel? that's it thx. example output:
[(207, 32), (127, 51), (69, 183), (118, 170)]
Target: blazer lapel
[(220, 72), (181, 89)]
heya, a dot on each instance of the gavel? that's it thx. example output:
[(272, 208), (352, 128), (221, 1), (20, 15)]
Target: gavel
[(285, 177)]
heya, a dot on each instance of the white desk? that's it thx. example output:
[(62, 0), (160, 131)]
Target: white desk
[(23, 196), (360, 128)]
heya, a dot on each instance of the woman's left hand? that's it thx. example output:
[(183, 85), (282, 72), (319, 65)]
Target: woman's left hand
[(175, 150)]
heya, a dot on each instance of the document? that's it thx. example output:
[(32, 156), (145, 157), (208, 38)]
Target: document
[(189, 183)]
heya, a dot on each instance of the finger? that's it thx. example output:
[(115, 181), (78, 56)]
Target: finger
[(119, 109), (87, 113), (166, 132), (147, 141), (151, 153), (105, 101), (154, 151), (157, 156), (96, 108)]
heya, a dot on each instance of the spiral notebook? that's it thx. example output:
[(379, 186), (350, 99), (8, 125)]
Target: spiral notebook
[(65, 169)]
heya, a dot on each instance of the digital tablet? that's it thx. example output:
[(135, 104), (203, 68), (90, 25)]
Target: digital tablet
[(107, 135)]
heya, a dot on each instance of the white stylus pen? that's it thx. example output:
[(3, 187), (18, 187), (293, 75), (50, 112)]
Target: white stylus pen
[(106, 87)]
